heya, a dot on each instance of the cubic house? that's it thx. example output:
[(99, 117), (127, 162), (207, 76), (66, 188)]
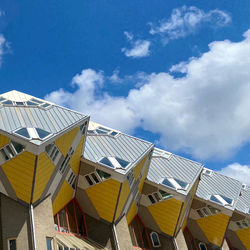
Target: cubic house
[(68, 183)]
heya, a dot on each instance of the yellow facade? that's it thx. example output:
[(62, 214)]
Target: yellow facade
[(131, 212), (125, 190), (76, 157), (64, 196), (104, 198), (166, 214), (244, 236), (137, 169), (214, 227), (144, 175), (3, 141), (65, 141), (44, 170), (20, 171)]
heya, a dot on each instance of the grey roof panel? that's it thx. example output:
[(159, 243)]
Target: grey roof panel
[(219, 184), (53, 119), (176, 167), (126, 147), (243, 202)]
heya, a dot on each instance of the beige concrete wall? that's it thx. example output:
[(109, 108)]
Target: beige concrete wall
[(15, 223), (180, 241), (44, 223), (123, 234)]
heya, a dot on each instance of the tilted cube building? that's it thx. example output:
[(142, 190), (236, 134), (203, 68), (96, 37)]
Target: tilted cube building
[(70, 183)]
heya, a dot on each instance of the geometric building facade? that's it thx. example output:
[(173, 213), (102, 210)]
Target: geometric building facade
[(70, 183)]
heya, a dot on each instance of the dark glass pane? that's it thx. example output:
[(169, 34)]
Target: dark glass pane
[(89, 180), (103, 175), (35, 100), (104, 129), (155, 240), (45, 105), (213, 210), (91, 132), (228, 200), (181, 183), (151, 199), (20, 103), (42, 133), (205, 211), (56, 223), (18, 147), (60, 247), (106, 161), (200, 213), (23, 132), (29, 103), (202, 246), (136, 231), (71, 216), (95, 178), (168, 183), (48, 242), (48, 148), (157, 197), (101, 132), (213, 198), (5, 156), (80, 222), (12, 244), (123, 163), (56, 153), (165, 195), (1, 99), (63, 221), (113, 133), (7, 102), (10, 152)]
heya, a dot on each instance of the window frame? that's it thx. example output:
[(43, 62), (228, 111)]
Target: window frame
[(8, 242), (153, 232)]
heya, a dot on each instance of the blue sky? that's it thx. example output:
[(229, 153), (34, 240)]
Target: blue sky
[(172, 72)]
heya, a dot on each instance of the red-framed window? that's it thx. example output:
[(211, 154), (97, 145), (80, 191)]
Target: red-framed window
[(71, 220), (139, 234), (190, 240)]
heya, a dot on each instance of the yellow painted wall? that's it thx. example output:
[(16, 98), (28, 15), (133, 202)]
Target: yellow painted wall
[(131, 212), (104, 198), (122, 198), (144, 175), (65, 141), (44, 170), (64, 196), (19, 172), (166, 214), (137, 169), (214, 227), (76, 157), (244, 236), (3, 140)]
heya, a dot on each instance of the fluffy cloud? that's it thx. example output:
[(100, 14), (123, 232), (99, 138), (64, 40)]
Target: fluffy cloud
[(186, 20), (139, 48), (237, 171), (204, 113)]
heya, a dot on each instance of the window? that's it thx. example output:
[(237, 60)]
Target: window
[(161, 153), (30, 103), (175, 183), (213, 210), (200, 213), (11, 150), (33, 133), (52, 151), (207, 211), (83, 127), (158, 196), (97, 177), (221, 199), (155, 239), (71, 179), (11, 244), (48, 243), (71, 219), (244, 186), (130, 178), (248, 211), (103, 131), (114, 162), (66, 160), (139, 234), (207, 171), (7, 102), (202, 246)]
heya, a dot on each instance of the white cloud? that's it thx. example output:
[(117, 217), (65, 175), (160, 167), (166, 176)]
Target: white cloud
[(186, 20), (139, 48), (204, 113), (238, 172), (3, 45)]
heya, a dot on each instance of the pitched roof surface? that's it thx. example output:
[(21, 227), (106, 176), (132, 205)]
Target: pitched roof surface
[(170, 165), (19, 110), (243, 202), (218, 184), (123, 146)]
